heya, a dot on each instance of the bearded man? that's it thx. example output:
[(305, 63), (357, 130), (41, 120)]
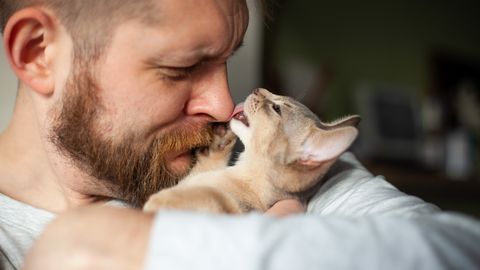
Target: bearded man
[(113, 98)]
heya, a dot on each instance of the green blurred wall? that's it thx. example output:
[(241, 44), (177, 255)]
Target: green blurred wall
[(375, 41)]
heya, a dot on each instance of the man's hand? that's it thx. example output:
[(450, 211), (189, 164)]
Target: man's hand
[(94, 237), (286, 207)]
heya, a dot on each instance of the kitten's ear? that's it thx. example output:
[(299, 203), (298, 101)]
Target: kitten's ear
[(325, 145), (349, 121)]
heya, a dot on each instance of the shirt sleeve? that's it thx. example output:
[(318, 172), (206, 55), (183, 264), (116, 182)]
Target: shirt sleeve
[(254, 241)]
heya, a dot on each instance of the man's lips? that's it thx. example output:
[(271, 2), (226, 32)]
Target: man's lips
[(180, 162), (178, 154)]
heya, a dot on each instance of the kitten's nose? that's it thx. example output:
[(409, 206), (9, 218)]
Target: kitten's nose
[(256, 91)]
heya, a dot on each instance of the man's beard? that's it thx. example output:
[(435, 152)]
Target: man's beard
[(131, 169)]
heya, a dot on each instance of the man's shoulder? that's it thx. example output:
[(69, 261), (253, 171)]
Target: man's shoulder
[(350, 189), (20, 225), (14, 211)]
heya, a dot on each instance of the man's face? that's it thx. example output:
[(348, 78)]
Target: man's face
[(152, 96)]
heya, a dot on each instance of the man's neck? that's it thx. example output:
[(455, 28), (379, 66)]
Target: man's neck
[(31, 170)]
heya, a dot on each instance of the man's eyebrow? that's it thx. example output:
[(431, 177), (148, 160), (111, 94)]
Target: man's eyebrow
[(207, 58), (155, 60)]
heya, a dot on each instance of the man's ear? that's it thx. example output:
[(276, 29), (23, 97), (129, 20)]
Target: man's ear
[(28, 34), (324, 145)]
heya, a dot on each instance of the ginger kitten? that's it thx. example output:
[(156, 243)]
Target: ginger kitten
[(287, 151)]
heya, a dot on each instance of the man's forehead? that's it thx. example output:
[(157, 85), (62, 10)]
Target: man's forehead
[(228, 7), (189, 29)]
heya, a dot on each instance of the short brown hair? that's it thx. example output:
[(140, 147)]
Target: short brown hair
[(90, 22)]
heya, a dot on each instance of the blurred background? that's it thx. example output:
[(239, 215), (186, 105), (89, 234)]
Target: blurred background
[(410, 68)]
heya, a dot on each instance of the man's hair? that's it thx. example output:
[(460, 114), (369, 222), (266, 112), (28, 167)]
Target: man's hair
[(90, 22)]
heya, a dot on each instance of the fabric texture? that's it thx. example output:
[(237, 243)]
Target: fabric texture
[(20, 225), (195, 241), (351, 190)]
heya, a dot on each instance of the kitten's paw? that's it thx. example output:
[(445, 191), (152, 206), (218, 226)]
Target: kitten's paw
[(218, 153), (223, 140)]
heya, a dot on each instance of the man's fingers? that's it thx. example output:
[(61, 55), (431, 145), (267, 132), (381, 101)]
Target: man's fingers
[(286, 207)]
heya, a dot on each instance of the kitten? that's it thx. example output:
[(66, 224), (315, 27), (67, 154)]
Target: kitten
[(287, 151)]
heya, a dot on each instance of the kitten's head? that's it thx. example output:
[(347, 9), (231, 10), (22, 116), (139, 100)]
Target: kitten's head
[(287, 133)]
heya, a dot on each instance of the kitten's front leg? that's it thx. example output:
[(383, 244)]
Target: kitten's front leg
[(217, 155), (200, 198)]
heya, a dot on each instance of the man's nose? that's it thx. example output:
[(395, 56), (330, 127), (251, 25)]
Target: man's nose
[(211, 95)]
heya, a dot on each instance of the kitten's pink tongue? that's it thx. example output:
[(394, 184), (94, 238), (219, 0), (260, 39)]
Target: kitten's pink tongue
[(238, 109)]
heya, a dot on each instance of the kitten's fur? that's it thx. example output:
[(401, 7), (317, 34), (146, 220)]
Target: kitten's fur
[(287, 151)]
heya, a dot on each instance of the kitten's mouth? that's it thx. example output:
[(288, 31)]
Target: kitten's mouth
[(239, 115)]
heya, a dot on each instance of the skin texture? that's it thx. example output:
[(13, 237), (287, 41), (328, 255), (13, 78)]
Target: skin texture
[(145, 90)]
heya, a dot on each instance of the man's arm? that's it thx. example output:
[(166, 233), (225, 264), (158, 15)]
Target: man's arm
[(101, 237), (351, 190), (96, 237), (108, 238), (193, 241)]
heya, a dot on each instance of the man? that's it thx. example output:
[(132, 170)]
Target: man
[(113, 97), (119, 108)]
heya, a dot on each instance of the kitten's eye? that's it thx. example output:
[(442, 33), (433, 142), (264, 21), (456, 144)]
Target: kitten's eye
[(277, 109)]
